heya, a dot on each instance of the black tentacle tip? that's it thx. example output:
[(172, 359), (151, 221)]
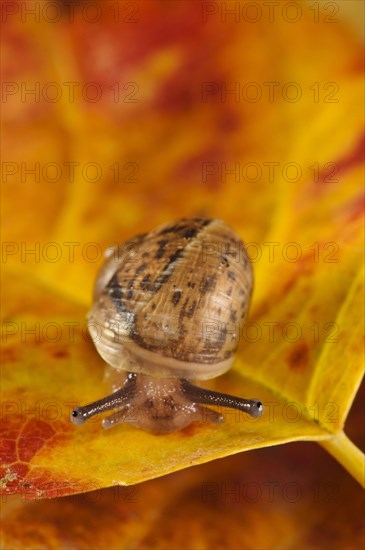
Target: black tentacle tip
[(78, 417), (257, 408)]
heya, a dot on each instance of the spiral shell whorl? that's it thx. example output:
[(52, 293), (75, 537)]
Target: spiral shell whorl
[(181, 292)]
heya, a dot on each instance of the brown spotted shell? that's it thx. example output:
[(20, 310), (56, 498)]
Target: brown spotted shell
[(172, 302)]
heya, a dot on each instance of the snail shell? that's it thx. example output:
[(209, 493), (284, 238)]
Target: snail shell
[(171, 302)]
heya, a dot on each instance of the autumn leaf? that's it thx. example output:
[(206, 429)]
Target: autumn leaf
[(277, 496), (167, 138)]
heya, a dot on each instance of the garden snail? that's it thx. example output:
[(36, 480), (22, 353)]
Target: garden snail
[(167, 309)]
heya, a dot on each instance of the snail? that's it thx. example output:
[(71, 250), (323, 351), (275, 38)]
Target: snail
[(168, 306)]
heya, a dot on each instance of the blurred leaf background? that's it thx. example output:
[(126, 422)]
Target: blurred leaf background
[(132, 123)]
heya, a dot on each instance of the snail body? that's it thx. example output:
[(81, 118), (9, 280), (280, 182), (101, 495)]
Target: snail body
[(168, 307)]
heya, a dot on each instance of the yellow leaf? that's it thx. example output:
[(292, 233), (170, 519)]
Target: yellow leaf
[(285, 171)]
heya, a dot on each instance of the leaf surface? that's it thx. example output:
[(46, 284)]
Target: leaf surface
[(297, 490), (294, 196)]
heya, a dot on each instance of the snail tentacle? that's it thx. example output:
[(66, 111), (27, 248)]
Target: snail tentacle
[(253, 407), (116, 400)]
